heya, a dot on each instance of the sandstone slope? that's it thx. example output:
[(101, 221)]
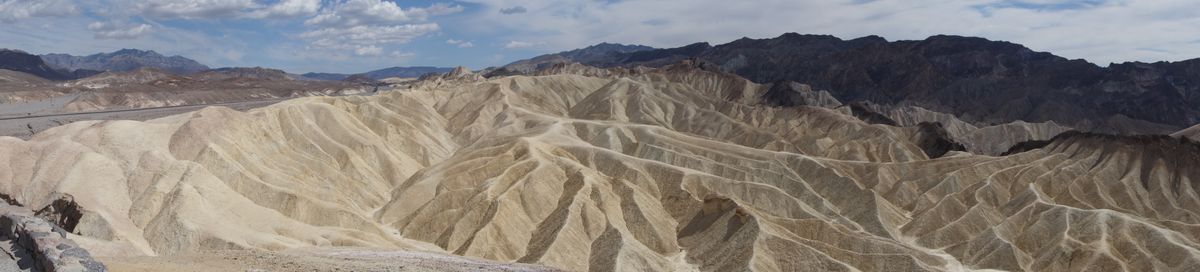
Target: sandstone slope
[(1192, 133), (674, 169)]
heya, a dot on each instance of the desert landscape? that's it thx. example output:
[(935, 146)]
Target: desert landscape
[(795, 152)]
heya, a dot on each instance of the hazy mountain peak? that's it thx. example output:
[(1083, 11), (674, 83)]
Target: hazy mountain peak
[(125, 60)]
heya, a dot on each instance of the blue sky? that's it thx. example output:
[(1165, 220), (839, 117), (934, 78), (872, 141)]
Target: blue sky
[(351, 36)]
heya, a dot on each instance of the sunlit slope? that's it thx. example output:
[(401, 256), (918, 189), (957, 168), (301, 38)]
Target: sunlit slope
[(669, 169)]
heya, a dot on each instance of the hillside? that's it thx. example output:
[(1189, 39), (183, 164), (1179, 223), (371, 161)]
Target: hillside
[(20, 61), (678, 168), (983, 82)]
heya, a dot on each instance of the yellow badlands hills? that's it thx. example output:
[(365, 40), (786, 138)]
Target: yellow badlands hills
[(674, 169)]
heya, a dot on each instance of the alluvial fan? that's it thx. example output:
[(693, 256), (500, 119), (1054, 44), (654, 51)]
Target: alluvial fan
[(672, 169)]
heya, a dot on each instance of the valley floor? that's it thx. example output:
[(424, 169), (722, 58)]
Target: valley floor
[(317, 259), (26, 127)]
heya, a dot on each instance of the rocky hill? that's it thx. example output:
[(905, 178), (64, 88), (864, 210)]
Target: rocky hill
[(245, 73), (983, 82), (20, 61), (124, 60)]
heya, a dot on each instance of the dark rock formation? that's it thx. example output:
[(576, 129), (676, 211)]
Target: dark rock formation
[(935, 141), (1025, 146), (792, 94), (600, 55), (863, 111), (982, 81), (63, 212), (31, 64)]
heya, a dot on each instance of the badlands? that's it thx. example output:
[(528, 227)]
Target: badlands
[(679, 168)]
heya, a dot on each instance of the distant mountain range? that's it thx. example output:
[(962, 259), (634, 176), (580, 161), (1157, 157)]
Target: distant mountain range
[(602, 55), (979, 80), (124, 60), (401, 72)]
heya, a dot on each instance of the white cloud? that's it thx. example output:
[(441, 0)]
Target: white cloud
[(288, 8), (13, 10), (219, 9), (439, 9), (513, 10), (460, 44), (520, 44), (399, 55), (195, 9), (376, 12), (368, 26), (118, 31), (234, 55), (367, 35), (369, 50)]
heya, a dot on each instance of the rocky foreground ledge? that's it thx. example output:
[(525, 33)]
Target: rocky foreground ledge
[(35, 244)]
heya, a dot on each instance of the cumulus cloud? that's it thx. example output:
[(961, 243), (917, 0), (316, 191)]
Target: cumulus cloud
[(398, 54), (118, 31), (369, 50), (439, 9), (376, 12), (354, 37), (13, 10), (520, 44), (513, 10), (219, 9), (367, 26), (460, 44), (288, 8), (195, 9)]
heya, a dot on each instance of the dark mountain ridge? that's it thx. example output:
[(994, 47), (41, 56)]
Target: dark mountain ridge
[(600, 55), (401, 72), (979, 80), (125, 60), (21, 61)]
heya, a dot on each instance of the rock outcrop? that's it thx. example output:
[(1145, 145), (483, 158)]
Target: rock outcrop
[(47, 244)]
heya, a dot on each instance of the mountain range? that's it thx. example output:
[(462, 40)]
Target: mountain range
[(601, 54), (124, 60), (400, 72), (981, 81)]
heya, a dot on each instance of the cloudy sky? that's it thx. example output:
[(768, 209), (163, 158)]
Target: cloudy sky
[(360, 35)]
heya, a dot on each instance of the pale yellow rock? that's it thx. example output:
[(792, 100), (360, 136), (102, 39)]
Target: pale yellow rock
[(1190, 133), (674, 169)]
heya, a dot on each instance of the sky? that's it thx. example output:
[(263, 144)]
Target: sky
[(352, 36)]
